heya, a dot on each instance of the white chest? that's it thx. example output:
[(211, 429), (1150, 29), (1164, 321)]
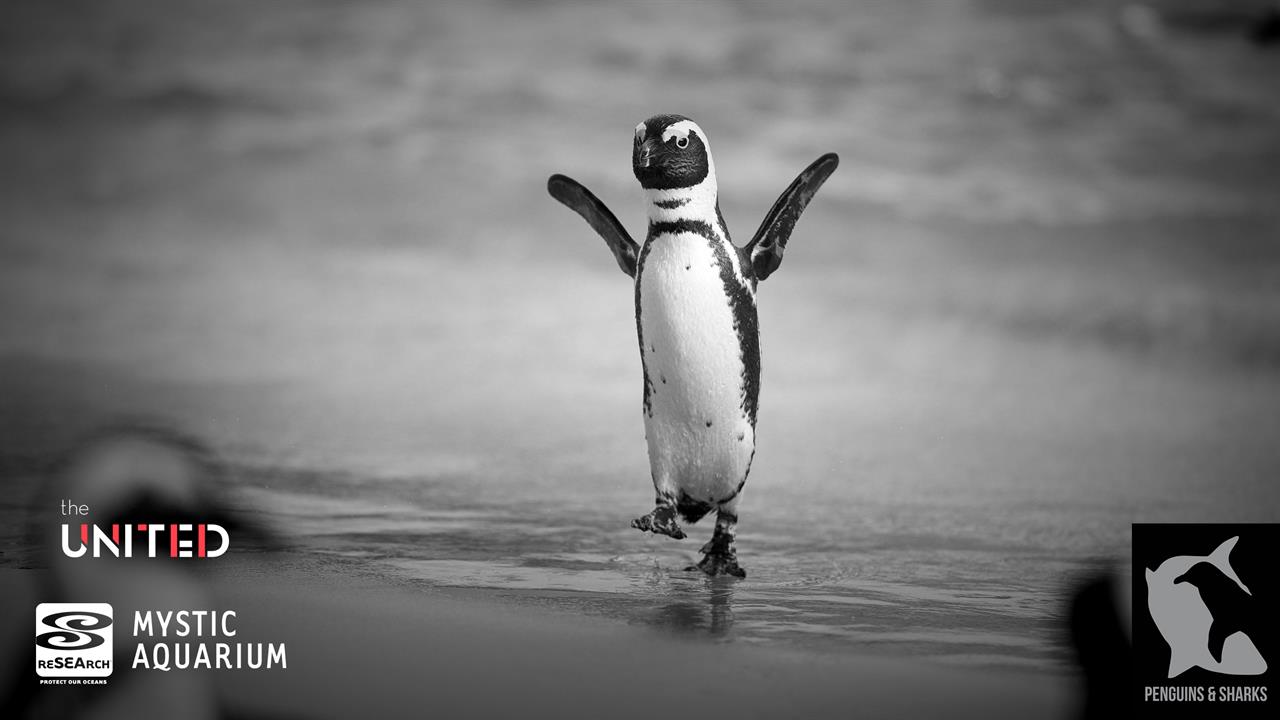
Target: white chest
[(691, 350), (700, 439)]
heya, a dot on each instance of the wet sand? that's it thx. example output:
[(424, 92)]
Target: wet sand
[(358, 646)]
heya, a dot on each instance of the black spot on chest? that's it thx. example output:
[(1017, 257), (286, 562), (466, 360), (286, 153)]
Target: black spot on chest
[(739, 295)]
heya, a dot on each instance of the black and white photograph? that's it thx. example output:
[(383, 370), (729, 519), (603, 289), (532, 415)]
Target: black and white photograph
[(568, 359)]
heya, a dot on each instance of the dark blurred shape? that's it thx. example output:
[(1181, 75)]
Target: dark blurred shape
[(133, 471), (1194, 17), (1266, 31), (128, 473), (1103, 650)]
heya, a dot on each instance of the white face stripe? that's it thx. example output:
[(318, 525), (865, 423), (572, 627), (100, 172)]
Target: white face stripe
[(699, 200), (681, 130), (640, 131)]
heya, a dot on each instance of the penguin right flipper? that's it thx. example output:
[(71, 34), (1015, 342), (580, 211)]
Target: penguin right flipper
[(765, 249), (580, 200)]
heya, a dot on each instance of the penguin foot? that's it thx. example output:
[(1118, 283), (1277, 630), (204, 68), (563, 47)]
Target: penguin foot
[(716, 564), (719, 558), (661, 521)]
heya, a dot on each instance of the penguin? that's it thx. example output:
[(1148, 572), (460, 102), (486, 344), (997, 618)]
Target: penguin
[(695, 303), (1232, 605)]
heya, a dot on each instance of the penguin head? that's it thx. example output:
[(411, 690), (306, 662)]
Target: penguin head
[(670, 151)]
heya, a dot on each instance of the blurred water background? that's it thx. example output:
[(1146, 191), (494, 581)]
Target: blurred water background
[(1039, 300)]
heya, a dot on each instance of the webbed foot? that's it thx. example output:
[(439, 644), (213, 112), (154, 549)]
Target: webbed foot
[(719, 556), (715, 564), (660, 521)]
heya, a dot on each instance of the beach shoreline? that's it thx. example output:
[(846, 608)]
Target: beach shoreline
[(358, 645)]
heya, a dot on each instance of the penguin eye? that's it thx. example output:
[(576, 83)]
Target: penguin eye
[(682, 142)]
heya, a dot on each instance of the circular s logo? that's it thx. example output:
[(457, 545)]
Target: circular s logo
[(74, 640), (73, 630)]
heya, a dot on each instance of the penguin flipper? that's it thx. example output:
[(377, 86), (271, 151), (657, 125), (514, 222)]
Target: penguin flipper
[(577, 198), (765, 249)]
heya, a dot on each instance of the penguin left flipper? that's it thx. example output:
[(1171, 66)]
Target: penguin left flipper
[(580, 200), (766, 248)]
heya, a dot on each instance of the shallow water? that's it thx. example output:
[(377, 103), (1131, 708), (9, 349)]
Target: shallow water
[(918, 562), (923, 596)]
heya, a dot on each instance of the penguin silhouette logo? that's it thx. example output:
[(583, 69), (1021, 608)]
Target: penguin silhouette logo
[(1205, 612)]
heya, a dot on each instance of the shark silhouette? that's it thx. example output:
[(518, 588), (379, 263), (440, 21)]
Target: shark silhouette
[(1198, 636)]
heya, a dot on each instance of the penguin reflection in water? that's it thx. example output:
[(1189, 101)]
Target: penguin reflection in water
[(695, 295)]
